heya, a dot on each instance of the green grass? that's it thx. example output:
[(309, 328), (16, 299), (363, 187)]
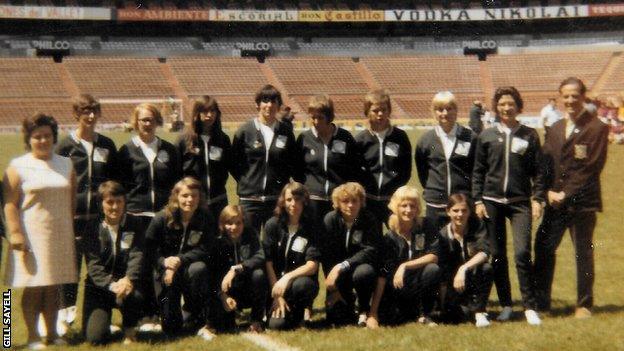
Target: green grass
[(559, 330)]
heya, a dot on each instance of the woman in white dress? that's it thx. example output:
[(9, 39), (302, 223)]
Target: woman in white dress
[(39, 197)]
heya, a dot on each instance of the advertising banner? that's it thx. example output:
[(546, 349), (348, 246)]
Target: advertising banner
[(606, 10), (162, 15), (55, 13), (253, 16), (499, 14), (341, 16)]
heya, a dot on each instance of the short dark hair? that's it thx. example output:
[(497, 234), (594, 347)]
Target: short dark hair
[(269, 92), (513, 92), (379, 96), (83, 103), (459, 198), (38, 120), (323, 105), (110, 188), (576, 81)]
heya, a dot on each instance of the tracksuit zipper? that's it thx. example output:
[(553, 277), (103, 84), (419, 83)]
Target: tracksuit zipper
[(506, 180), (207, 159)]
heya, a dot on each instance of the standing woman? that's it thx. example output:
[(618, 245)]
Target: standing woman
[(408, 282), (351, 240), (292, 257), (464, 253), (444, 158), (265, 157), (93, 156), (177, 246), (387, 154), (39, 193), (241, 280), (149, 166), (507, 183), (328, 155), (205, 152)]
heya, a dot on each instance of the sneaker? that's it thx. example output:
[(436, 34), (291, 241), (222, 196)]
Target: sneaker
[(505, 314), (206, 334), (70, 314), (481, 320), (36, 345), (362, 320), (426, 320), (582, 313), (59, 342), (532, 317), (114, 329), (61, 327)]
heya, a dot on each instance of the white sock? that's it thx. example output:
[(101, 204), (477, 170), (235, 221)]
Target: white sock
[(532, 317), (505, 314), (481, 320)]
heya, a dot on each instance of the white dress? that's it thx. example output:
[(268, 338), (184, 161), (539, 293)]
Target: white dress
[(46, 217)]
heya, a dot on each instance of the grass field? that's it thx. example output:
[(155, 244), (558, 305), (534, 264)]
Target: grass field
[(559, 331)]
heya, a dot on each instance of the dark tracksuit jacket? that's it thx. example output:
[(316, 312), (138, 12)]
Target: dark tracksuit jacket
[(247, 252), (439, 177), (390, 161), (91, 169), (286, 255), (190, 245), (506, 168), (250, 166), (359, 246), (324, 167), (453, 255), (148, 184), (108, 262), (208, 162)]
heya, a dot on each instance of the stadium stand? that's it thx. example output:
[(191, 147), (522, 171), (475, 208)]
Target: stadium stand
[(30, 78)]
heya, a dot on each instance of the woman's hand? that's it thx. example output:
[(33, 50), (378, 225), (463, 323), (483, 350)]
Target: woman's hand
[(536, 210), (226, 283), (280, 307), (397, 280), (330, 281), (459, 282), (168, 278), (17, 242), (173, 262), (228, 302), (372, 322), (481, 211), (279, 289)]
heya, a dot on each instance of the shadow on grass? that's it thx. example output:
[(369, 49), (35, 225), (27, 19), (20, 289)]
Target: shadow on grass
[(569, 310)]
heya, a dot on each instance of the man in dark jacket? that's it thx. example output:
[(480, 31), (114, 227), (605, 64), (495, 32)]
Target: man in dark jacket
[(476, 111), (575, 153)]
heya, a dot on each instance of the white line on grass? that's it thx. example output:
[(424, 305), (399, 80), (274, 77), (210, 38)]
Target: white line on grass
[(268, 343)]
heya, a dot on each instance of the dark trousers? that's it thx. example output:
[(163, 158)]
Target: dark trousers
[(362, 279), (97, 311), (215, 208), (319, 209), (258, 212), (417, 297), (190, 281), (438, 216), (298, 296), (458, 306), (249, 289), (82, 227), (520, 215), (380, 210), (548, 238)]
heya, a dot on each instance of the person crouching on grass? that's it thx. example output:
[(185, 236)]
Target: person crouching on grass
[(409, 275), (241, 280), (464, 254), (114, 256), (177, 246), (349, 253)]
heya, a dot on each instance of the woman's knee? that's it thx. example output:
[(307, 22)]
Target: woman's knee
[(97, 329)]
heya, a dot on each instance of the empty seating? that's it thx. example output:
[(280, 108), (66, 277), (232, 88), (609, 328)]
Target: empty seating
[(30, 78)]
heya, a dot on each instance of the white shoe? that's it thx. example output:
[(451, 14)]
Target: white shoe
[(505, 314), (61, 327), (59, 342), (70, 314), (362, 320), (114, 329), (481, 320), (147, 327), (532, 317), (41, 327), (426, 320), (36, 345), (206, 334)]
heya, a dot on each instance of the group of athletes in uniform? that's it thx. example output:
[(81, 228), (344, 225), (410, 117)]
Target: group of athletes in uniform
[(154, 224)]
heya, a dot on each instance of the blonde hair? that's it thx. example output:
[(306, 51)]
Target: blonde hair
[(380, 97), (349, 190), (134, 118), (172, 209), (404, 193), (323, 105), (228, 213), (443, 98)]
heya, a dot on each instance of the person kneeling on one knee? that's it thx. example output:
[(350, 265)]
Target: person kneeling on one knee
[(409, 276), (114, 258), (240, 271)]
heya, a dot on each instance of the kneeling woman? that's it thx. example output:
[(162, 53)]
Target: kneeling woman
[(409, 275), (349, 253), (114, 259), (464, 254), (177, 243), (240, 271), (292, 257)]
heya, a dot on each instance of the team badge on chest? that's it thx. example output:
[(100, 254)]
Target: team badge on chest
[(580, 152), (163, 156), (194, 237)]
